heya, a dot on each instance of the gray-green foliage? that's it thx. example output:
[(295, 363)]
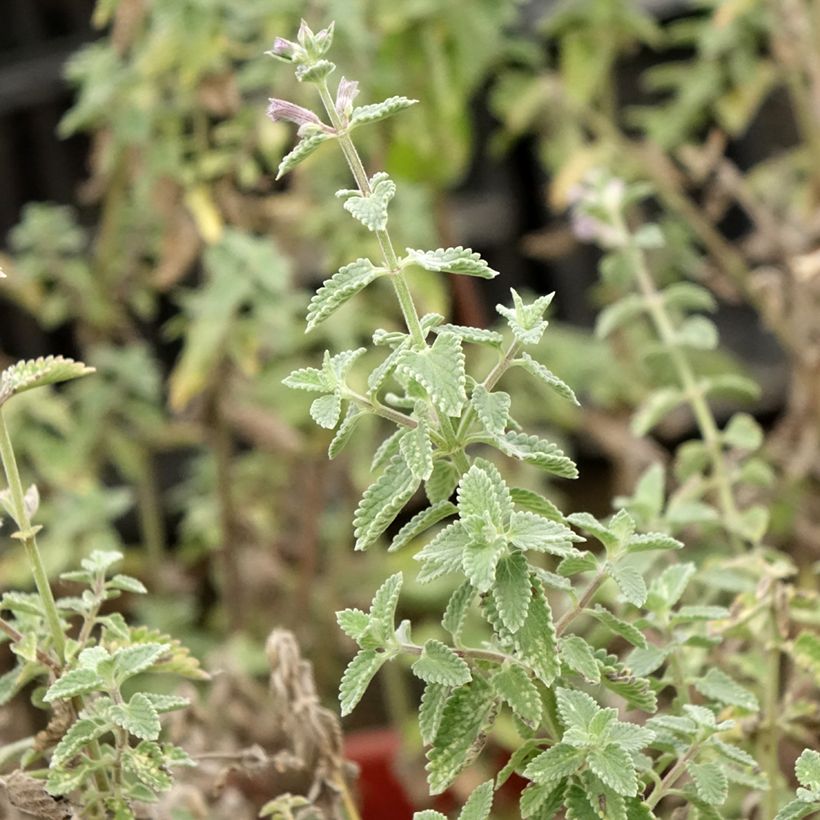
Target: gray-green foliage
[(524, 574)]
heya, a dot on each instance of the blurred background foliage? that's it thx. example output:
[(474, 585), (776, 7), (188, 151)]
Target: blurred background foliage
[(181, 271)]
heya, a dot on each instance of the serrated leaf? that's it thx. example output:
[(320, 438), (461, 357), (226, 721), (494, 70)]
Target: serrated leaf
[(532, 450), (796, 810), (479, 803), (138, 717), (555, 764), (439, 369), (440, 664), (457, 606), (619, 313), (302, 150), (148, 764), (630, 582), (492, 409), (535, 642), (442, 482), (325, 410), (383, 608), (382, 501), (688, 614), (731, 384), (669, 586), (467, 716), (429, 814), (479, 561), (637, 692), (575, 564), (806, 653), (533, 502), (127, 584), (578, 804), (710, 782), (421, 522), (645, 661), (576, 709), (72, 683), (308, 378), (807, 769), (535, 368), (659, 404), (512, 590), (541, 801), (177, 659), (342, 286), (353, 622), (431, 709), (529, 531), (615, 768), (357, 677), (79, 735), (345, 431), (167, 703), (444, 553), (688, 296), (131, 660), (513, 685), (651, 541), (32, 373), (620, 627), (452, 260), (698, 332), (483, 493), (378, 111), (473, 335), (371, 209), (526, 321), (577, 654), (717, 685), (743, 432), (417, 451), (629, 736)]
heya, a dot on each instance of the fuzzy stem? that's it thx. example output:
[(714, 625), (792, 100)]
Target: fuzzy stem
[(770, 738), (27, 536), (583, 602), (694, 393), (672, 776)]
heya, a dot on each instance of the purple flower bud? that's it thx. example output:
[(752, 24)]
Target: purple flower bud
[(348, 89), (285, 50), (304, 35), (284, 110), (323, 40)]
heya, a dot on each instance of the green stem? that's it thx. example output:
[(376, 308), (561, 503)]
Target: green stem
[(27, 536), (770, 739), (583, 602), (673, 775), (468, 654), (694, 393), (396, 416)]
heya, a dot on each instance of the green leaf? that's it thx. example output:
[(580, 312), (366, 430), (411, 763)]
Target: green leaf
[(669, 586), (345, 431), (417, 450), (457, 608), (138, 717), (649, 541), (732, 385), (440, 664), (534, 502), (127, 584), (308, 378), (576, 709), (621, 628), (439, 369), (452, 260), (32, 373), (429, 814), (541, 801), (357, 677), (535, 368), (492, 409), (482, 494), (431, 709), (575, 564), (325, 410), (148, 764), (589, 523), (689, 614), (72, 683), (717, 685), (743, 432), (343, 285), (353, 622), (513, 685), (444, 553), (442, 482), (512, 590), (619, 313), (302, 150), (526, 321), (382, 501), (699, 333), (659, 404), (383, 609), (421, 522), (479, 803), (167, 703), (371, 209), (473, 335), (479, 561), (796, 810), (131, 660), (79, 735), (577, 654), (629, 736), (529, 531), (688, 296), (710, 782), (578, 804), (466, 718), (555, 764), (630, 582), (807, 769), (806, 653), (532, 450), (615, 768), (535, 642), (378, 111)]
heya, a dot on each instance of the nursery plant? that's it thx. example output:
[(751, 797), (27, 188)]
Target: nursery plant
[(627, 658)]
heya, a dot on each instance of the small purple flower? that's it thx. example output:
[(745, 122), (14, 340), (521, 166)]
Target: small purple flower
[(286, 50), (348, 89)]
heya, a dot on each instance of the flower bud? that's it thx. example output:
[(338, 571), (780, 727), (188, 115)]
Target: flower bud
[(348, 89)]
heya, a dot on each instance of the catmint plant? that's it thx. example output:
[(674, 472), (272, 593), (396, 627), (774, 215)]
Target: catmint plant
[(102, 742), (583, 619)]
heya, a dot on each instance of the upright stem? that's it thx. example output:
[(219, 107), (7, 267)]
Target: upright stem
[(27, 536), (583, 602), (770, 740), (694, 393)]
